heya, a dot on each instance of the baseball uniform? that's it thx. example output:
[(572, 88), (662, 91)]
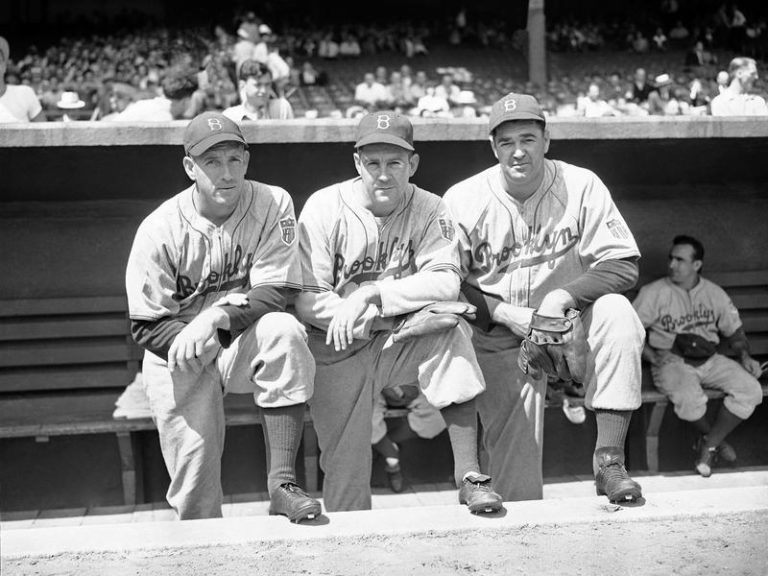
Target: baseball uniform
[(342, 247), (182, 264), (700, 316), (517, 252)]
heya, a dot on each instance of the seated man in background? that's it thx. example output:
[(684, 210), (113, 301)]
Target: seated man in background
[(17, 103), (423, 421), (686, 316), (259, 100)]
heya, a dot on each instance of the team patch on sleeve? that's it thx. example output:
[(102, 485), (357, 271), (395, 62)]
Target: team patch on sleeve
[(446, 228), (288, 230), (618, 230)]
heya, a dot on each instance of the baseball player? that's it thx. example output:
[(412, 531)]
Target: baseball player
[(423, 421), (207, 280), (539, 235), (372, 248), (686, 315)]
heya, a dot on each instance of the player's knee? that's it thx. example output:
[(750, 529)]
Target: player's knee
[(616, 314), (280, 327)]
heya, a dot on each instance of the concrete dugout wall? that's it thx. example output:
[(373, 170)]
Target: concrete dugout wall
[(73, 194)]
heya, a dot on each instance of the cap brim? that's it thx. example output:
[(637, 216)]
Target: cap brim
[(513, 117), (210, 141), (384, 139)]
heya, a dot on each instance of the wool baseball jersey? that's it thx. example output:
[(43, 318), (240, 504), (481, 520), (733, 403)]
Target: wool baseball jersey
[(520, 251), (181, 263), (666, 310), (344, 246)]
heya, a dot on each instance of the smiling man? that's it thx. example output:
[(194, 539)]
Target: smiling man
[(539, 238), (208, 278), (373, 249)]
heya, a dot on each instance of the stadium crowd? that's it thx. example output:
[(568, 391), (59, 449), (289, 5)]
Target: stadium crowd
[(655, 65)]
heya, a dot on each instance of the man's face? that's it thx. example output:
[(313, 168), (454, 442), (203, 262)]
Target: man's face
[(385, 170), (219, 174), (369, 79), (682, 267), (747, 76), (257, 89), (520, 147), (640, 76), (594, 92)]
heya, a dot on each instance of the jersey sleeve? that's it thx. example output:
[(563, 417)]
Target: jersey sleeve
[(604, 233), (437, 252), (150, 281), (315, 254), (645, 305), (728, 319), (276, 261)]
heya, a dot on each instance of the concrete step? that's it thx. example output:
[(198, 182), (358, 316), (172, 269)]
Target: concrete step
[(747, 491)]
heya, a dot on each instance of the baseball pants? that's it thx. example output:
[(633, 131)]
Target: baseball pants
[(443, 365), (270, 359), (512, 407), (683, 384)]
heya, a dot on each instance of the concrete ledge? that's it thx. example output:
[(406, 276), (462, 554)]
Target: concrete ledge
[(428, 519), (55, 134)]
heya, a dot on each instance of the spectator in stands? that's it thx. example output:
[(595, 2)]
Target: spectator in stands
[(17, 103), (660, 40), (310, 76), (736, 100), (176, 102), (328, 48), (698, 56), (466, 105), (349, 47), (419, 85), (687, 317), (371, 95), (431, 104), (679, 33), (422, 421), (448, 90), (70, 100), (640, 43), (399, 95), (259, 98), (722, 80), (640, 88), (245, 47), (593, 106)]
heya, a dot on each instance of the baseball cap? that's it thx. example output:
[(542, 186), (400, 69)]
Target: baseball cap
[(5, 50), (385, 128), (208, 129), (515, 107)]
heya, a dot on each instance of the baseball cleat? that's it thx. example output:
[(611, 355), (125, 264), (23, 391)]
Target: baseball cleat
[(290, 500), (726, 452), (612, 479), (478, 495), (705, 460)]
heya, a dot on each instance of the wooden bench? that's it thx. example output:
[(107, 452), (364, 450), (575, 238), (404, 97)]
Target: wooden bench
[(65, 361)]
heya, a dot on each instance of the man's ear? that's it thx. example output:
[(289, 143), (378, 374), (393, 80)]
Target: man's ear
[(697, 264), (358, 164), (414, 162), (493, 146), (546, 140), (189, 167)]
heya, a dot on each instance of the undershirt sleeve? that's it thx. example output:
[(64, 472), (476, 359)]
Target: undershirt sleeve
[(606, 277)]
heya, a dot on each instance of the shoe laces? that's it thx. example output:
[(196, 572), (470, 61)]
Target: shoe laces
[(481, 485), (614, 471), (293, 488)]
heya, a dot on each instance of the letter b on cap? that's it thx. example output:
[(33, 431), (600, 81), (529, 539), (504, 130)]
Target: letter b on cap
[(383, 121), (214, 124), (510, 105)]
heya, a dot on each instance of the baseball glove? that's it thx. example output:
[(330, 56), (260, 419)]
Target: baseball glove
[(437, 317), (555, 346)]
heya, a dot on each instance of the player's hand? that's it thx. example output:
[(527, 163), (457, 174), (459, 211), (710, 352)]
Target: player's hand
[(234, 299), (347, 314), (752, 366), (193, 347), (556, 303)]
